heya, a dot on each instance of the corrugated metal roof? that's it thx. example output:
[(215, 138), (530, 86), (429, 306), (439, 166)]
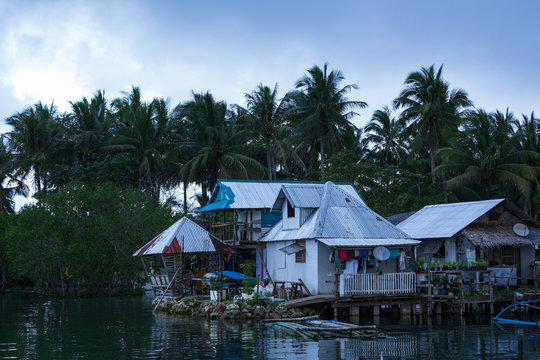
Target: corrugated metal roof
[(357, 243), (184, 236), (339, 216), (237, 194), (445, 220)]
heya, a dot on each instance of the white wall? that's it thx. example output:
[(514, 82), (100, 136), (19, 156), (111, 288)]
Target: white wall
[(325, 271), (293, 222)]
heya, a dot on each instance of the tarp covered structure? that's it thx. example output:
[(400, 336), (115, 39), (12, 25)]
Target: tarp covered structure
[(183, 237)]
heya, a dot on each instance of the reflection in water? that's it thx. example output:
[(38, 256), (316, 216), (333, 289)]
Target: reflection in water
[(125, 328)]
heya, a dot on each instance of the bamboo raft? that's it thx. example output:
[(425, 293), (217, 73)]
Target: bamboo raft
[(311, 328)]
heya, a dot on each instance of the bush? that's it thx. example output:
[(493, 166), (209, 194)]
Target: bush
[(83, 236)]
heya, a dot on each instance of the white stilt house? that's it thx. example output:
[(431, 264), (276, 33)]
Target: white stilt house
[(325, 228)]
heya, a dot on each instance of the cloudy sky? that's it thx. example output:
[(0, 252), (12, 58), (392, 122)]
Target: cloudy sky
[(64, 50)]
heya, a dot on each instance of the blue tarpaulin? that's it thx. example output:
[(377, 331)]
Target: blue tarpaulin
[(235, 275)]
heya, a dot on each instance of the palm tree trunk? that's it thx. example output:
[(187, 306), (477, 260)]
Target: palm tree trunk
[(37, 176), (431, 142), (1, 199), (274, 176), (322, 155), (185, 196), (269, 158)]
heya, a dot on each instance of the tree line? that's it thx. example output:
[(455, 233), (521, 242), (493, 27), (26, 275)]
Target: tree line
[(430, 145), (106, 173)]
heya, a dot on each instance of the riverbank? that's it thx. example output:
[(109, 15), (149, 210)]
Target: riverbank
[(236, 309)]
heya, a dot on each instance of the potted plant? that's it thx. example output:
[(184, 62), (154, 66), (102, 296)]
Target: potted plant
[(214, 287), (421, 264)]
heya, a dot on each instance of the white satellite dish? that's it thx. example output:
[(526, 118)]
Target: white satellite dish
[(381, 253), (521, 230)]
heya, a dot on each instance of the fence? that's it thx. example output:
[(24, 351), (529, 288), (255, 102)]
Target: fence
[(377, 284)]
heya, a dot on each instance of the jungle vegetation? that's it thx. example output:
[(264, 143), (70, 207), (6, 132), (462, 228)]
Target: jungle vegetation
[(431, 144)]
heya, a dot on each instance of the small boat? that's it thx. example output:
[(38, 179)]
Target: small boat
[(314, 329), (499, 320)]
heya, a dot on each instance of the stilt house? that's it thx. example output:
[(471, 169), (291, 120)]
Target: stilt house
[(492, 230), (326, 228), (240, 212), (170, 250)]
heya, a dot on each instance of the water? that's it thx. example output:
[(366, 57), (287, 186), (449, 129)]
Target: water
[(125, 328)]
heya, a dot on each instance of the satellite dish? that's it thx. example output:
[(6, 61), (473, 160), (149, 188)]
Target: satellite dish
[(381, 253), (521, 230)]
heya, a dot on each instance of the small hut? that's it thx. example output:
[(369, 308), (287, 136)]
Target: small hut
[(182, 247)]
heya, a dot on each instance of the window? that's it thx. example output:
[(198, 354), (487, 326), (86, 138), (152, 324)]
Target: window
[(301, 255), (290, 210)]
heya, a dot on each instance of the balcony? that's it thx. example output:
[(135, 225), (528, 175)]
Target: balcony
[(377, 284)]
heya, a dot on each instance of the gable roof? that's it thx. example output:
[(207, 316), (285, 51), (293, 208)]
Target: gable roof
[(342, 219), (309, 195), (257, 194), (445, 220), (184, 236)]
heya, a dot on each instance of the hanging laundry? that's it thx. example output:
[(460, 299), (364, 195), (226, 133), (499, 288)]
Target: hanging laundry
[(342, 254), (402, 260), (362, 254), (394, 253), (350, 254), (332, 257)]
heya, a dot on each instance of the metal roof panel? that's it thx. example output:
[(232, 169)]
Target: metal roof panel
[(445, 220)]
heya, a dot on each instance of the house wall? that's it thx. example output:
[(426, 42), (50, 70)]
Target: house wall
[(284, 267), (254, 219), (527, 262), (326, 270), (293, 222)]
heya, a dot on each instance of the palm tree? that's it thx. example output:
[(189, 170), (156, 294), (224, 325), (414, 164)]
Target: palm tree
[(211, 141), (529, 133), (35, 133), (142, 130), (324, 111), (265, 120), (385, 133), (10, 185), (89, 125), (430, 107), (483, 159)]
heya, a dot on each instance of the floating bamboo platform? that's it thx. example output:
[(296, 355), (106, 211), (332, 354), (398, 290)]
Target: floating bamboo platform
[(313, 329)]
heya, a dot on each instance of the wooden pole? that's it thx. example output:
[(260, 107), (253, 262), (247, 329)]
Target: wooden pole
[(491, 304), (336, 295)]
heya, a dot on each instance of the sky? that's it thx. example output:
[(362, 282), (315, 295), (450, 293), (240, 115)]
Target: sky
[(61, 51)]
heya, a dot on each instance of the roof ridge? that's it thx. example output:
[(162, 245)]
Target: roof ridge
[(325, 201), (463, 203), (284, 181)]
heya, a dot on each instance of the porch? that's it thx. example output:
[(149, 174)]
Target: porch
[(377, 284)]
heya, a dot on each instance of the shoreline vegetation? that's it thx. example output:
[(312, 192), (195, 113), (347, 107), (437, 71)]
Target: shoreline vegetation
[(111, 174)]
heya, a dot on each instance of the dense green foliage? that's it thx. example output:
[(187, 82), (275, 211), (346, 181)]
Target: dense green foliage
[(83, 237), (431, 147)]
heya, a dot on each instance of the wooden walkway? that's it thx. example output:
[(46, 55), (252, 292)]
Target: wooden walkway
[(309, 300)]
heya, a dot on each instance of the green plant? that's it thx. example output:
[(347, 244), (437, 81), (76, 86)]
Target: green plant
[(273, 305), (249, 283), (248, 267), (421, 261), (248, 291), (253, 301), (214, 286), (188, 299)]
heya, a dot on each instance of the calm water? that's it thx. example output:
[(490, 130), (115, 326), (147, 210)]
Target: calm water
[(125, 328)]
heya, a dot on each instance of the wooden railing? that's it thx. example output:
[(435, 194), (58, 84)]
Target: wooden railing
[(377, 284)]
